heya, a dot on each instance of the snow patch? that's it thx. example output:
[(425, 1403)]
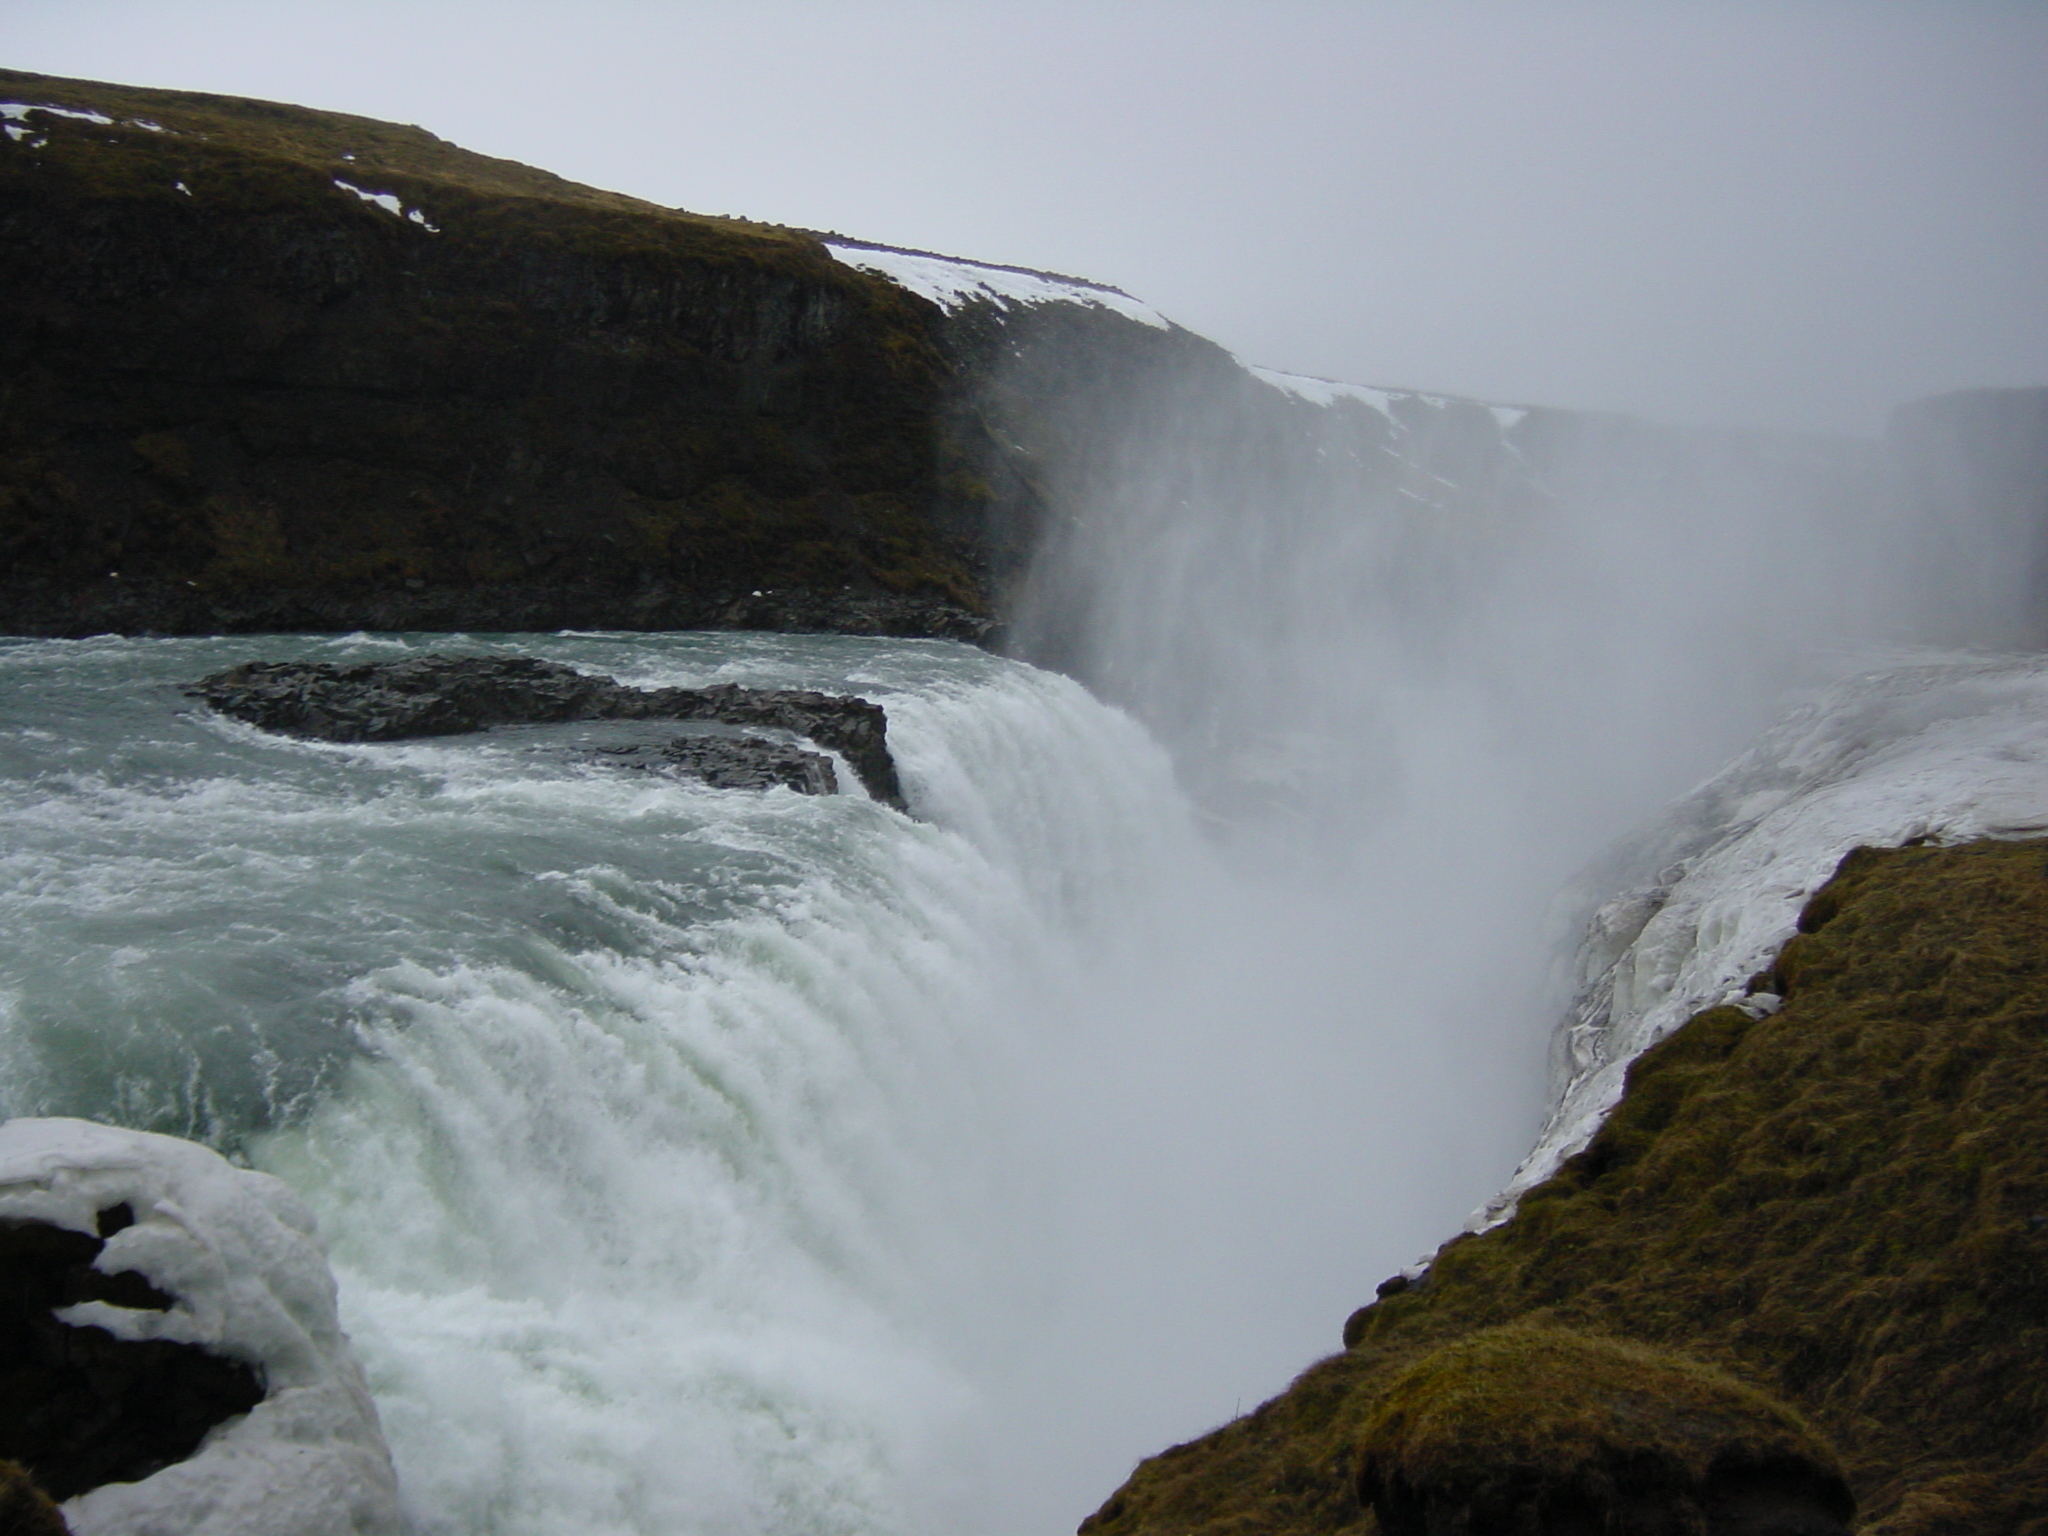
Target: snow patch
[(1948, 751), (1325, 391), (951, 282), (1329, 391), (18, 111), (238, 1251), (390, 204)]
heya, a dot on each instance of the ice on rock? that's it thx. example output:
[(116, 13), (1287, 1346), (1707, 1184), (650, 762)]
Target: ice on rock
[(238, 1252), (1947, 750)]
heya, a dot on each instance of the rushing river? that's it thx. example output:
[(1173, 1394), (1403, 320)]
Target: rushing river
[(714, 1161), (736, 1162)]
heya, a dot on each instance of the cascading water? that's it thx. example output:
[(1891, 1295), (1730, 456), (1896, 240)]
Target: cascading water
[(749, 1162), (660, 1134)]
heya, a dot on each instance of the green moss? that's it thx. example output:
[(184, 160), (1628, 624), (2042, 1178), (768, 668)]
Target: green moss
[(1520, 1427), (1844, 1204)]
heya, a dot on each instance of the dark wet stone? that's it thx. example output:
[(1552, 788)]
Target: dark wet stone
[(78, 1406), (733, 762), (448, 695)]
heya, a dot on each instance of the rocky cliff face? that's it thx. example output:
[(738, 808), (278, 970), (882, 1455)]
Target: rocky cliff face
[(268, 368)]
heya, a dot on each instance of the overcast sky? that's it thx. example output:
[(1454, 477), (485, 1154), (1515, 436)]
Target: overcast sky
[(1792, 214)]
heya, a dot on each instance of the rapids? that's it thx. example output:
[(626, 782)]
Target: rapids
[(696, 1160)]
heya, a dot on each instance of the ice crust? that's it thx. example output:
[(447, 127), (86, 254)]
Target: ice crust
[(1944, 750), (239, 1252), (951, 282)]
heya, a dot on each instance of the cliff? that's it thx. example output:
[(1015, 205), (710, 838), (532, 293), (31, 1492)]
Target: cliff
[(268, 368)]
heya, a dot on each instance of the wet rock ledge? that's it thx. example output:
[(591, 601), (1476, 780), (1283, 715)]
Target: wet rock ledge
[(437, 695)]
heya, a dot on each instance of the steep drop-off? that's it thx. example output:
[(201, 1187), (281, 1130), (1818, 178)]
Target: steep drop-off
[(1843, 1203), (268, 368)]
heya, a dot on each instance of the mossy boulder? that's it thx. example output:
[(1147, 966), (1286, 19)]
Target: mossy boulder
[(1529, 1429), (1843, 1205)]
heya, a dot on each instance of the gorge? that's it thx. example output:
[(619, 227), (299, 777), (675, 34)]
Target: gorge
[(738, 1160)]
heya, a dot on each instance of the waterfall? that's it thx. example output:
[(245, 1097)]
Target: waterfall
[(733, 1162)]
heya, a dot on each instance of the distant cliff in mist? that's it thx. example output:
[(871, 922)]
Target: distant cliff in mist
[(269, 368)]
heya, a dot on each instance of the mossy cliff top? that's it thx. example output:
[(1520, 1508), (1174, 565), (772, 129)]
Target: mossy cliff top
[(1842, 1205), (262, 366)]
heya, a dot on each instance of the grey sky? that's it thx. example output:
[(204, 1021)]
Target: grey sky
[(1791, 214)]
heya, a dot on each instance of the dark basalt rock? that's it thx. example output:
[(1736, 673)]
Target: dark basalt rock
[(78, 1406), (240, 399), (733, 762), (450, 695)]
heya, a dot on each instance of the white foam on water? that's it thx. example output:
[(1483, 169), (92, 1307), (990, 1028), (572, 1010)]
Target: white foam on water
[(671, 1144)]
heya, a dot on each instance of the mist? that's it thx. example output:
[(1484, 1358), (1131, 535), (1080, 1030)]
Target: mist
[(1408, 729)]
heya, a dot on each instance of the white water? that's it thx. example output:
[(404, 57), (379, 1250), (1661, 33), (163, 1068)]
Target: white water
[(730, 1162), (689, 1160)]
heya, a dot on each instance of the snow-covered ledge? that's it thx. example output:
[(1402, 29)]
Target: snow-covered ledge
[(237, 1253), (1944, 750)]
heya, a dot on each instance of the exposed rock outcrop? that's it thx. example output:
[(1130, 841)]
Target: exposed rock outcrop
[(172, 1356), (84, 1406), (449, 695), (732, 762), (271, 368)]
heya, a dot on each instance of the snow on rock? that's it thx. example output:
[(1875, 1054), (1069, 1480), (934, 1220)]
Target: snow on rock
[(1329, 391), (14, 119), (1944, 750), (18, 111), (390, 204), (951, 281), (237, 1251)]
